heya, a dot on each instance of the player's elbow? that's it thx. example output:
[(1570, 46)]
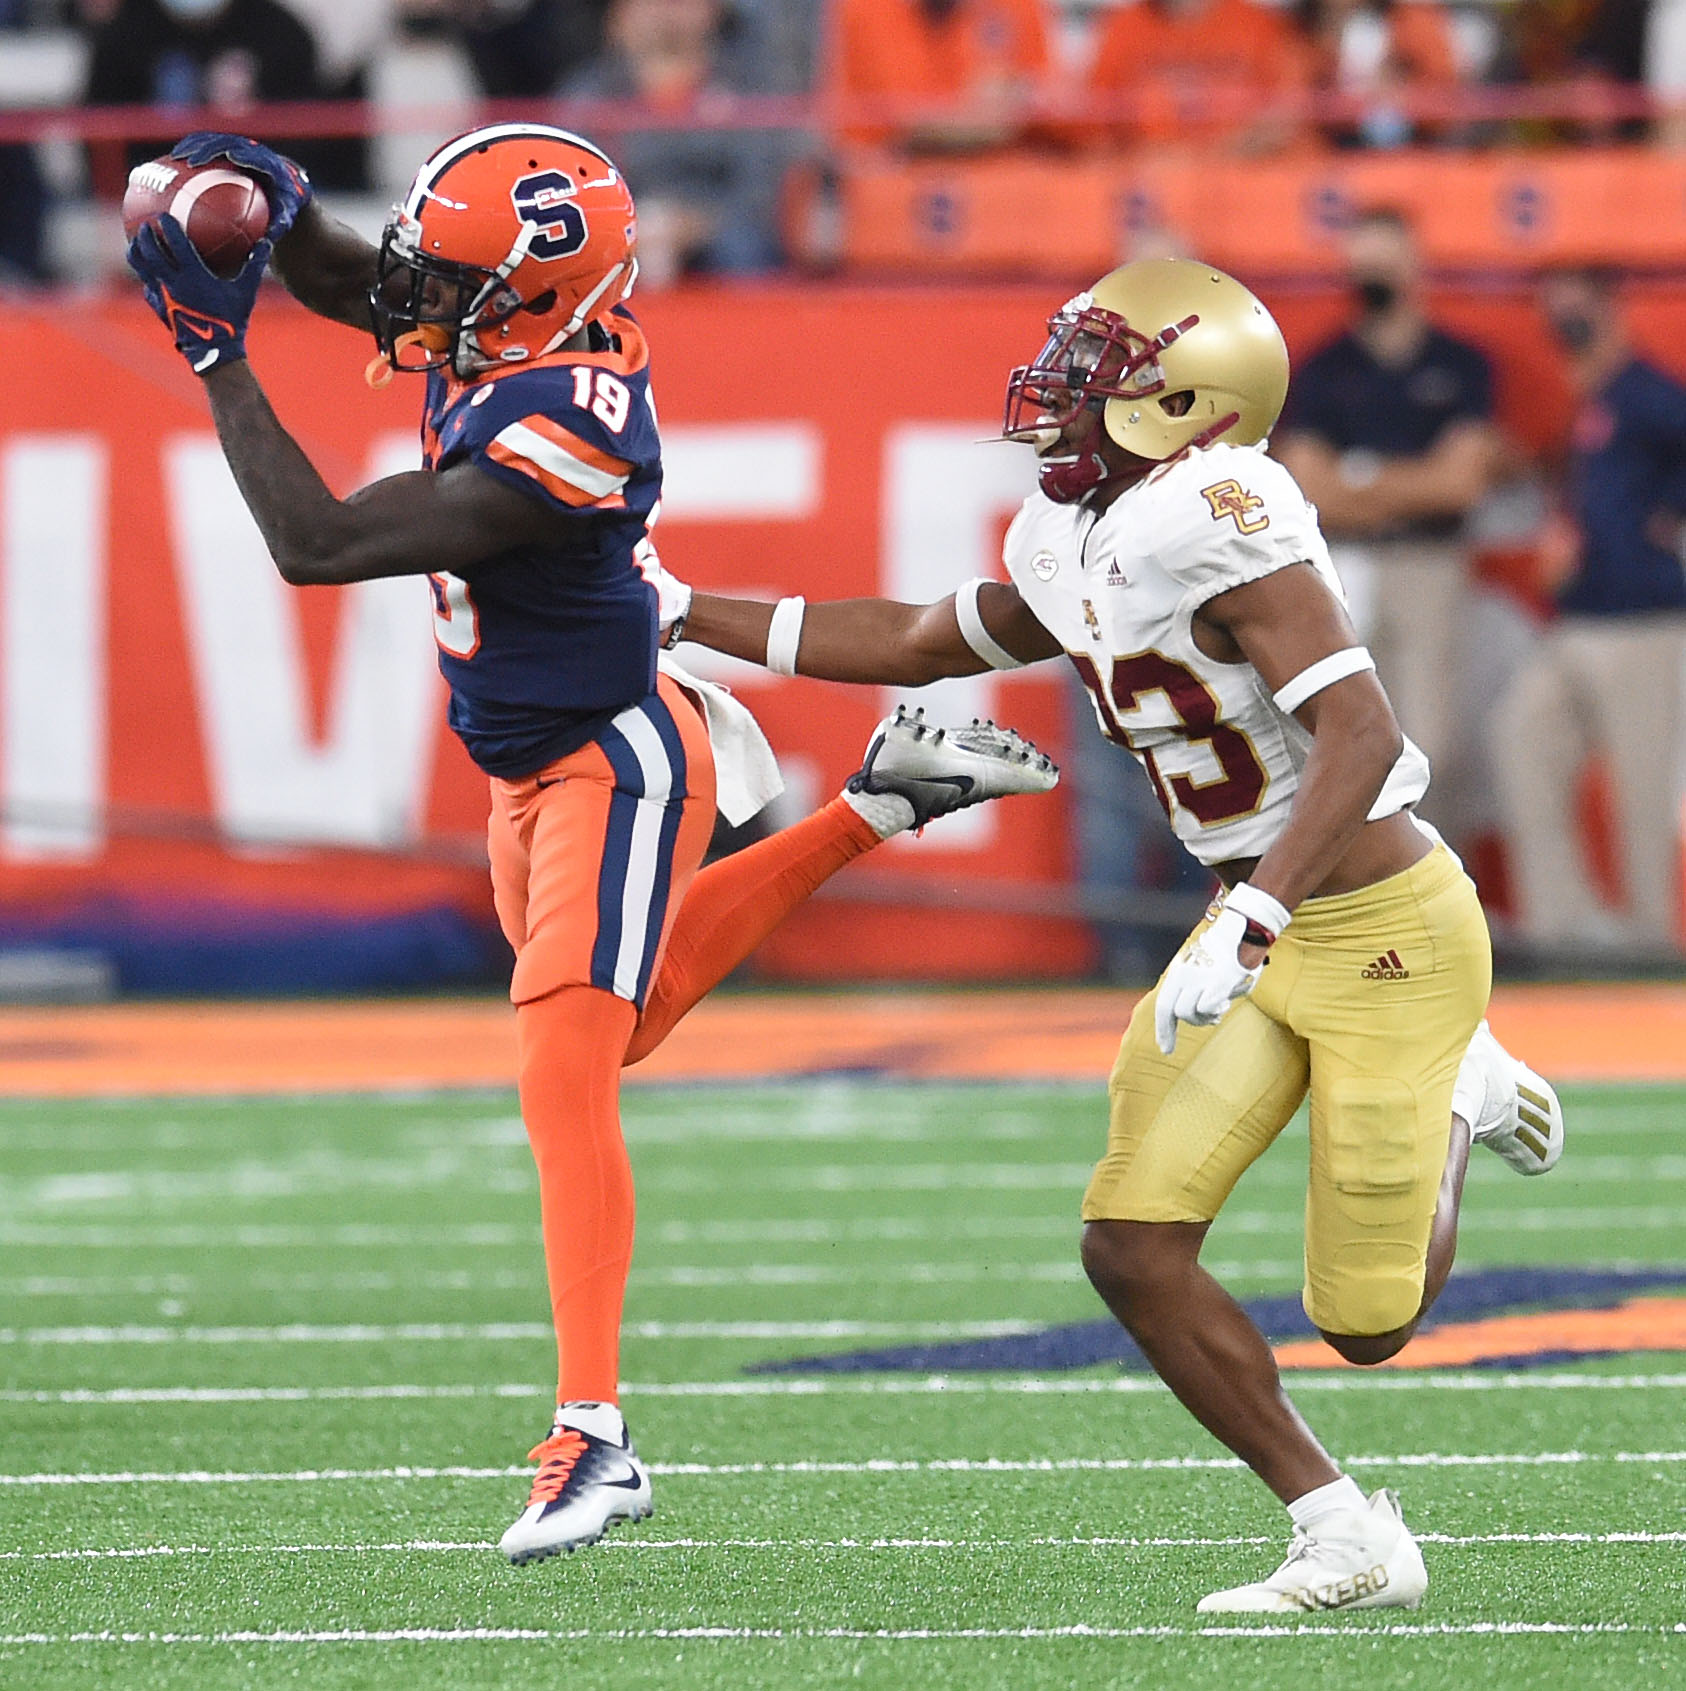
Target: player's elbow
[(1376, 734), (304, 566), (1361, 722), (919, 666), (326, 552)]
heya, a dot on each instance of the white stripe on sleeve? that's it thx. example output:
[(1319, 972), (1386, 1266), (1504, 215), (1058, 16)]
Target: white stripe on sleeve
[(557, 461)]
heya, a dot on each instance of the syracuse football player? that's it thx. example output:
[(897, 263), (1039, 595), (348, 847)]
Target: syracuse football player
[(502, 277), (1181, 571)]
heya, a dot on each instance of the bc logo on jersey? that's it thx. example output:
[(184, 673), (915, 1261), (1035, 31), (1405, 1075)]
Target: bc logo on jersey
[(1231, 499), (545, 199)]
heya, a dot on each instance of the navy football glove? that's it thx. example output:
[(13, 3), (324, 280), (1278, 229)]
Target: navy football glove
[(287, 187), (206, 314)]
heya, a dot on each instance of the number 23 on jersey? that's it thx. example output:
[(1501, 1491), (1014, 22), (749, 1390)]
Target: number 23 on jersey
[(1240, 787)]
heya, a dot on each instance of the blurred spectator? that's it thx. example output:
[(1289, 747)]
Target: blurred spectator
[(1593, 43), (525, 47), (1372, 51), (989, 55), (23, 215), (1201, 70), (1558, 39), (1607, 676), (1665, 68), (228, 54), (708, 199), (1389, 431)]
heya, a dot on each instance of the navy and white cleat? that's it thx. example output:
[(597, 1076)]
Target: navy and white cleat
[(589, 1477), (942, 770)]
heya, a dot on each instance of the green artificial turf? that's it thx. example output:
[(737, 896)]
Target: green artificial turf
[(249, 1273)]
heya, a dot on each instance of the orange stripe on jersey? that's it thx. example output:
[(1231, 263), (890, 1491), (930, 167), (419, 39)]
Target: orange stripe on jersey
[(555, 486), (575, 447), (561, 470)]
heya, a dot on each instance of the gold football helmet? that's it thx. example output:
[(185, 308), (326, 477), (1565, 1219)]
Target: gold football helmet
[(1170, 352)]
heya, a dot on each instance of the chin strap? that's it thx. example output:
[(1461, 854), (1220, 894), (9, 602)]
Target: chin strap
[(1065, 484)]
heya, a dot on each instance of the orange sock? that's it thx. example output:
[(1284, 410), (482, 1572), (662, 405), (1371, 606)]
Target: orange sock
[(571, 1045), (734, 904)]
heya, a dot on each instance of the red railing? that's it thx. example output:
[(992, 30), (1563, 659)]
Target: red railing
[(1588, 104)]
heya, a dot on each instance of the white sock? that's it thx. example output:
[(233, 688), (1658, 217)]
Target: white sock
[(1470, 1089), (601, 1420), (1338, 1497), (884, 813)]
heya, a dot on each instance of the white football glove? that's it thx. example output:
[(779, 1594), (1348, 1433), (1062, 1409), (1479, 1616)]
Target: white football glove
[(673, 596), (1207, 975)]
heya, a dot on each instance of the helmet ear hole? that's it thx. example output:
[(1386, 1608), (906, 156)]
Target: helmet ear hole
[(1177, 404), (545, 302)]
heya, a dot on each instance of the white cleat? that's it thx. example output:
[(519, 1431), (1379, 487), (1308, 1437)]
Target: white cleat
[(941, 770), (1365, 1559), (1516, 1112), (589, 1477)]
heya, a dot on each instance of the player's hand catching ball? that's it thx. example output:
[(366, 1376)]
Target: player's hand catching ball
[(206, 313), (1219, 964), (285, 183)]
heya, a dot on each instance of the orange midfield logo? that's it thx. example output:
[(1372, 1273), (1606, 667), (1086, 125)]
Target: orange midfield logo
[(1231, 499), (1387, 967)]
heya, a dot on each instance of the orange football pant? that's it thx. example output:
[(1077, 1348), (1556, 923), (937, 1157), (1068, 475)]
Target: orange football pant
[(616, 935)]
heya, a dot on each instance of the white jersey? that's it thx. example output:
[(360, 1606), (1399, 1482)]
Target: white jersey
[(1119, 592)]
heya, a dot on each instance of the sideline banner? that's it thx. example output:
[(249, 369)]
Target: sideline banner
[(195, 757)]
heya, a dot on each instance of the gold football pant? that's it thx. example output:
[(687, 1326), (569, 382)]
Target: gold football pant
[(1369, 1000)]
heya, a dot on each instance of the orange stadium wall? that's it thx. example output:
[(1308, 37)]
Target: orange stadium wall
[(187, 744)]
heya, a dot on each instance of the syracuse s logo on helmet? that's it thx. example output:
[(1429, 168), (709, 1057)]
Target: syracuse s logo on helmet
[(545, 199)]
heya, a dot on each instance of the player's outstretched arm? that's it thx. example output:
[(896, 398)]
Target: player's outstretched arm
[(876, 641), (1282, 625), (417, 523), (327, 266)]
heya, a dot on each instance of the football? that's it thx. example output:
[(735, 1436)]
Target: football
[(224, 212)]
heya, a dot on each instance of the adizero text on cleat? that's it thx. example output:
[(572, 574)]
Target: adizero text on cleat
[(585, 1483), (1362, 1559), (939, 770)]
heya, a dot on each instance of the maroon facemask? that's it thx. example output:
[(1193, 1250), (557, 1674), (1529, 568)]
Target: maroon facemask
[(1091, 355)]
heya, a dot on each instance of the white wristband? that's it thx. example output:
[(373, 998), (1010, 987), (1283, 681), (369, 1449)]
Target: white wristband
[(973, 632), (1254, 904), (1311, 680), (784, 635)]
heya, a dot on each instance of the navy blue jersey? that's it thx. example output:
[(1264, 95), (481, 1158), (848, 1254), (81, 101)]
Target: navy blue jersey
[(1627, 488), (547, 642), (1353, 402)]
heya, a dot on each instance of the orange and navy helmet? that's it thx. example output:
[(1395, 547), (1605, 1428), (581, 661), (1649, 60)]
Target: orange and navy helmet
[(511, 239)]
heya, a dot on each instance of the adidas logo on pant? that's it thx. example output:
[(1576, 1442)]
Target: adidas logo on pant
[(1387, 967)]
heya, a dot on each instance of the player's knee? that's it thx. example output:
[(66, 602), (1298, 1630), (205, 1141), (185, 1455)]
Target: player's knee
[(1366, 1350), (1132, 1264), (1367, 1317)]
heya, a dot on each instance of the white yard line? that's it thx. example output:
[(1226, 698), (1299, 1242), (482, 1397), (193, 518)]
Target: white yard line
[(1059, 1272), (985, 1546), (451, 1332), (886, 1465), (935, 1385), (1479, 1218), (1347, 1631), (263, 1236)]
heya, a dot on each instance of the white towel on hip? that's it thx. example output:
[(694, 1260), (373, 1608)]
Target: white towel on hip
[(746, 774)]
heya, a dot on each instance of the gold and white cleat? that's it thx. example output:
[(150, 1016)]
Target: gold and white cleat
[(1517, 1114), (1365, 1559)]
